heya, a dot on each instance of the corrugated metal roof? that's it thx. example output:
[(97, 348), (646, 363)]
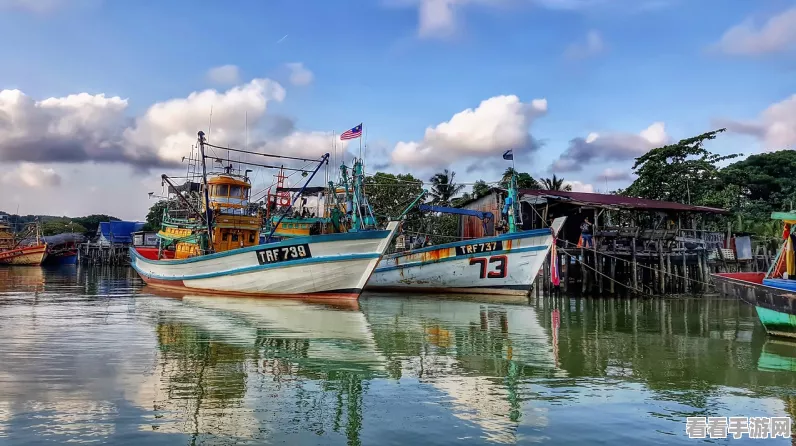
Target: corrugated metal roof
[(620, 201)]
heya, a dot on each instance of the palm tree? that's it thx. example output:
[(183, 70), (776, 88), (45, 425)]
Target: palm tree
[(443, 189), (524, 180), (555, 183)]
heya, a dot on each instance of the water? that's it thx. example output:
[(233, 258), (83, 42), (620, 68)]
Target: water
[(91, 356)]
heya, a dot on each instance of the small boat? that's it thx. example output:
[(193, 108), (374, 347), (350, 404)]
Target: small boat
[(502, 264), (62, 248), (17, 253), (772, 293), (217, 244)]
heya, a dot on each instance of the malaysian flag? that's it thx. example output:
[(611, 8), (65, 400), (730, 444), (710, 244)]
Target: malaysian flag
[(356, 132)]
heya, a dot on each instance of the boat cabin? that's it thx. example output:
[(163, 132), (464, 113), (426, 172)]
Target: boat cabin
[(234, 226), (6, 236)]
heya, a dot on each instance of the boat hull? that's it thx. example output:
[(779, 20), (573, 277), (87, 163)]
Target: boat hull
[(774, 302), (151, 252), (61, 259), (505, 264), (28, 255), (334, 266)]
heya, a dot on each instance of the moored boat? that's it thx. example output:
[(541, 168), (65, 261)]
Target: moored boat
[(17, 253), (772, 293), (501, 264), (217, 248)]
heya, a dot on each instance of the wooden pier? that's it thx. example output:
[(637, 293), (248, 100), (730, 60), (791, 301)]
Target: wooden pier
[(103, 254), (640, 247)]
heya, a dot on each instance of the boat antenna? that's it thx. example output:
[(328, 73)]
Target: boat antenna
[(201, 135)]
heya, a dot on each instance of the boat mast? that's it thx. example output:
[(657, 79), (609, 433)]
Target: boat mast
[(206, 193), (513, 200)]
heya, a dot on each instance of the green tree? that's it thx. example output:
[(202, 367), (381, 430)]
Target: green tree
[(443, 188), (684, 172), (389, 194), (91, 222), (154, 218), (60, 226), (555, 183), (480, 189), (524, 180), (766, 181)]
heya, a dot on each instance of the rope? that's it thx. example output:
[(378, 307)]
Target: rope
[(609, 278), (641, 265)]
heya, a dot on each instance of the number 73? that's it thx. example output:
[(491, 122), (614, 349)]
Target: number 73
[(500, 268)]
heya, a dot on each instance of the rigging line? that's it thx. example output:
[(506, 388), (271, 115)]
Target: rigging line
[(607, 277), (639, 264), (316, 160)]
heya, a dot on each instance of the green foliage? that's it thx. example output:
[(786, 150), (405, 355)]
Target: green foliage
[(524, 180), (768, 179), (480, 189), (60, 226), (389, 195), (555, 183), (443, 188), (154, 218), (684, 172), (91, 222)]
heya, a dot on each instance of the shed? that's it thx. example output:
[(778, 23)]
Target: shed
[(118, 232), (472, 227)]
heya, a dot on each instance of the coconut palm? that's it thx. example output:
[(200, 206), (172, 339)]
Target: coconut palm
[(524, 180), (555, 183), (443, 188)]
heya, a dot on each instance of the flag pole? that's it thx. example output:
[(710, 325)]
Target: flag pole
[(360, 139)]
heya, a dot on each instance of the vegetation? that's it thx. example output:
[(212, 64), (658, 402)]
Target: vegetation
[(443, 188), (555, 183), (52, 225)]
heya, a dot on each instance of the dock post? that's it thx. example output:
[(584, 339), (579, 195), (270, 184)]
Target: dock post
[(583, 273), (565, 273), (662, 273), (685, 273), (635, 264)]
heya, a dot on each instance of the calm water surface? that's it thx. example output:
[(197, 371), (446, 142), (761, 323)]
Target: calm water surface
[(92, 356)]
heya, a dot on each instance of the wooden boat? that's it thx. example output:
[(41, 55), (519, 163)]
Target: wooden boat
[(16, 253), (502, 264), (217, 248), (772, 293)]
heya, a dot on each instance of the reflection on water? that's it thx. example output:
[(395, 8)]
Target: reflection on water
[(91, 356)]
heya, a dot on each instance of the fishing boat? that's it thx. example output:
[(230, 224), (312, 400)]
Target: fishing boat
[(504, 263), (772, 293), (217, 243), (13, 252)]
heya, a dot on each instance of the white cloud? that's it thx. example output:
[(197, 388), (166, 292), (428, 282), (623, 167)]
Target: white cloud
[(775, 127), (299, 74), (778, 33), (591, 46), (496, 125), (32, 175), (609, 147), (440, 18), (611, 174), (224, 75), (578, 186)]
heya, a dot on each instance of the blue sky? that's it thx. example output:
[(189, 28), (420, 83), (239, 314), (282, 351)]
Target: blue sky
[(648, 62)]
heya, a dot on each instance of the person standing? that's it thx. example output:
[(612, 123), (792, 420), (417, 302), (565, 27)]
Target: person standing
[(585, 233)]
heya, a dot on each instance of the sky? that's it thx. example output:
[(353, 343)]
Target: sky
[(98, 98)]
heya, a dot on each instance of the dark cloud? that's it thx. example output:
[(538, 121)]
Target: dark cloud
[(612, 147)]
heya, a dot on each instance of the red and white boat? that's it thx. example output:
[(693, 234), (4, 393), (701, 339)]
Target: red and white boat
[(12, 253)]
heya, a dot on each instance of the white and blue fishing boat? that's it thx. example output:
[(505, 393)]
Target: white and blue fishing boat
[(214, 242), (501, 264)]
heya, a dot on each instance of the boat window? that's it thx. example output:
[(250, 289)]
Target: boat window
[(234, 237), (221, 190), (251, 237), (235, 191), (225, 237)]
